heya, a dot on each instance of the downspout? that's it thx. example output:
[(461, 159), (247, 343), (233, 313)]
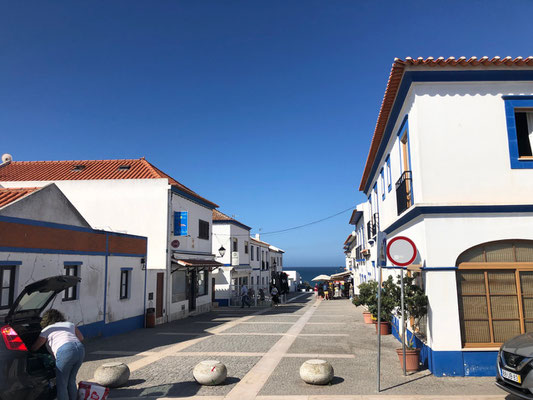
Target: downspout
[(105, 275)]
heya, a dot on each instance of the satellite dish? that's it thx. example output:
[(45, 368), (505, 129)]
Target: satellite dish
[(7, 158)]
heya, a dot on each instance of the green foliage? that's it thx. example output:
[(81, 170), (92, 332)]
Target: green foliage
[(415, 302), (368, 296), (367, 293)]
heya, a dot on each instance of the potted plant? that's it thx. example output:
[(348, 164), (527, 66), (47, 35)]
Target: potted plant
[(416, 307), (367, 292), (388, 304)]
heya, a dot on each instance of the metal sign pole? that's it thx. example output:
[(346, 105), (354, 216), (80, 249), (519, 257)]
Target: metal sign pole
[(403, 322), (379, 330)]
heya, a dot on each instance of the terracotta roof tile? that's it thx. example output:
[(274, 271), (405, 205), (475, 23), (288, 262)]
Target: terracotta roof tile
[(395, 78), (219, 216), (9, 195), (88, 170)]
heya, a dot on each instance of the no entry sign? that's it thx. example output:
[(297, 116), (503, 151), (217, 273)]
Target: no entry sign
[(401, 251)]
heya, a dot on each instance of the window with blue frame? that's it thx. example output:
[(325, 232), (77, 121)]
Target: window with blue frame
[(382, 177), (389, 180), (519, 117)]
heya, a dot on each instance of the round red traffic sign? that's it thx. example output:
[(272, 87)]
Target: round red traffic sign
[(401, 251), (175, 243)]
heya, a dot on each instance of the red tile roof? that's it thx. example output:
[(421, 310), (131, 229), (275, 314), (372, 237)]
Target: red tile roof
[(8, 196), (88, 170), (219, 216), (395, 78)]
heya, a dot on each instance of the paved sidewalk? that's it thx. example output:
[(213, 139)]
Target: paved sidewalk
[(263, 350)]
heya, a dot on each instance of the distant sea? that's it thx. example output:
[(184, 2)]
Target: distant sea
[(308, 273)]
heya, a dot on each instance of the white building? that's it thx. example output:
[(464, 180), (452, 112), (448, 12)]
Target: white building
[(259, 260), (135, 197), (232, 245), (43, 235), (449, 167), (295, 280)]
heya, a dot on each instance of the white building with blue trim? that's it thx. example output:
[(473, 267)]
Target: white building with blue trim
[(450, 166)]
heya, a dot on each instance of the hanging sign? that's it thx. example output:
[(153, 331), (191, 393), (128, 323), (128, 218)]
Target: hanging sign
[(401, 251)]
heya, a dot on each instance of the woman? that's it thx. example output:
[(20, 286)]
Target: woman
[(63, 339)]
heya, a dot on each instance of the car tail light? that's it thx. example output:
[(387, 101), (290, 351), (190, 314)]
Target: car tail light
[(12, 339)]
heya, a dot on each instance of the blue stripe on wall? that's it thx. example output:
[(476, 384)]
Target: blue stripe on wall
[(113, 328)]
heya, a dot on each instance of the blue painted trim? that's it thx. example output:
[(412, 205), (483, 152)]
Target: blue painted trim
[(437, 76), (32, 222), (67, 263), (222, 302), (200, 253), (192, 198), (256, 269), (382, 176), (126, 269), (50, 251), (237, 223), (10, 263), (105, 276), (126, 255), (426, 269), (512, 102), (100, 328), (417, 211)]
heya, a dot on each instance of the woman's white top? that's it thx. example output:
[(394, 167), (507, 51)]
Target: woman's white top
[(58, 334)]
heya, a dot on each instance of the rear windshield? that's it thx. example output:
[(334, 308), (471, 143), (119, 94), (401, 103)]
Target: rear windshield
[(33, 301)]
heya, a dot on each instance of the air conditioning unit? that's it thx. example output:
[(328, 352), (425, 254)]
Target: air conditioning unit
[(234, 258)]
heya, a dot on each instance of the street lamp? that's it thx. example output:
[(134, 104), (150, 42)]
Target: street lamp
[(222, 251)]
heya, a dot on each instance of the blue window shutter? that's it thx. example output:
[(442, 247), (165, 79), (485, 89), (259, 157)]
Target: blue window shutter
[(180, 223)]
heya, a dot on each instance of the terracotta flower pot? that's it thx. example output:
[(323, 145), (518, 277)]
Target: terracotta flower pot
[(412, 357), (367, 317), (385, 328)]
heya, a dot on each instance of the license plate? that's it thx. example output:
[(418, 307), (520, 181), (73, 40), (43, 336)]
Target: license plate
[(510, 375)]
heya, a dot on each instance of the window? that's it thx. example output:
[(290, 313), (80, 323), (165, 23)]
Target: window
[(72, 292), (251, 280), (495, 292), (519, 116), (382, 178), (125, 283), (245, 247), (388, 174), (252, 252), (179, 286), (203, 283), (257, 253), (203, 229), (7, 277), (235, 245)]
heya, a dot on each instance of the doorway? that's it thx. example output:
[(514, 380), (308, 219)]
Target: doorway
[(192, 282), (159, 294)]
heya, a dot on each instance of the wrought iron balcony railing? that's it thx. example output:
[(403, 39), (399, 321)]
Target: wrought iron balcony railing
[(404, 192)]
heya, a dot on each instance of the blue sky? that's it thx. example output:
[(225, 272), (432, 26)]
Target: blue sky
[(264, 107)]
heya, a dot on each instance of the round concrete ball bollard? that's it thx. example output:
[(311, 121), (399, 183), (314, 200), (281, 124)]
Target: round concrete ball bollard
[(316, 372), (210, 372), (112, 374)]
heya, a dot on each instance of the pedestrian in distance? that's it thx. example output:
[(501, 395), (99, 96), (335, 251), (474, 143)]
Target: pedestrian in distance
[(244, 297), (261, 295), (63, 340), (275, 296)]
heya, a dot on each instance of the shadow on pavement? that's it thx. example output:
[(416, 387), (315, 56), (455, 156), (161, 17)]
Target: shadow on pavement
[(407, 382)]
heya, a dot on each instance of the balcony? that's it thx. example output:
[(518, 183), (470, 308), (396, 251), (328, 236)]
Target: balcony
[(372, 226), (404, 192)]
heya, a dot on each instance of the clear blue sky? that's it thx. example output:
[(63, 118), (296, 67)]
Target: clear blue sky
[(264, 107)]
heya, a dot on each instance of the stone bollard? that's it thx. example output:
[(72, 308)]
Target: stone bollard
[(112, 374), (316, 372), (210, 372)]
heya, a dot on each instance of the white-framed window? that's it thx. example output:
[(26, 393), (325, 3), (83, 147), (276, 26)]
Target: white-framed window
[(7, 290), (252, 252), (245, 247)]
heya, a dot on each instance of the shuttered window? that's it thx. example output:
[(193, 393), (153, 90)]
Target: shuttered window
[(495, 292)]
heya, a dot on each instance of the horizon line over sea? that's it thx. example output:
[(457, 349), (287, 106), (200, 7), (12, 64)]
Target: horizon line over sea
[(308, 273)]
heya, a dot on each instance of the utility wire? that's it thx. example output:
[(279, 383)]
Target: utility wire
[(292, 228)]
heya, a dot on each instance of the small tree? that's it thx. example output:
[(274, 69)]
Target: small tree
[(415, 303), (388, 300), (367, 291)]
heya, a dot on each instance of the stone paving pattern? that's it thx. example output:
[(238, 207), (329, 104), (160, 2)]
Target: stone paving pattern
[(163, 357)]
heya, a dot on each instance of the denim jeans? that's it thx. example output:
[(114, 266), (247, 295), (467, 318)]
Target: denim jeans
[(68, 361), (245, 300)]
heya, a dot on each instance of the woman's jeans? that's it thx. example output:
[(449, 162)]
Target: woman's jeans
[(68, 361)]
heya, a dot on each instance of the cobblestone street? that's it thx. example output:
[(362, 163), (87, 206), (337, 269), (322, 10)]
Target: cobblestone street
[(263, 350)]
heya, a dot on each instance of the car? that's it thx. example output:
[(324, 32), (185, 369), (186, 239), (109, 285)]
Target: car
[(515, 366), (26, 375)]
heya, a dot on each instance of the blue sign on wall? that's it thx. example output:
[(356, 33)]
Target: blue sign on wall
[(180, 223)]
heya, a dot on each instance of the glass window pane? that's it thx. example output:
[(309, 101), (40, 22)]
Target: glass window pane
[(502, 282), (6, 277), (475, 307), (476, 332), (504, 330), (528, 307), (178, 286), (504, 307), (529, 326), (524, 252), (4, 298), (526, 282), (472, 255), (499, 252), (471, 282)]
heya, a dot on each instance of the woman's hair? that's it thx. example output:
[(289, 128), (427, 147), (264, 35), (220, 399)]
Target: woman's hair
[(51, 317)]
